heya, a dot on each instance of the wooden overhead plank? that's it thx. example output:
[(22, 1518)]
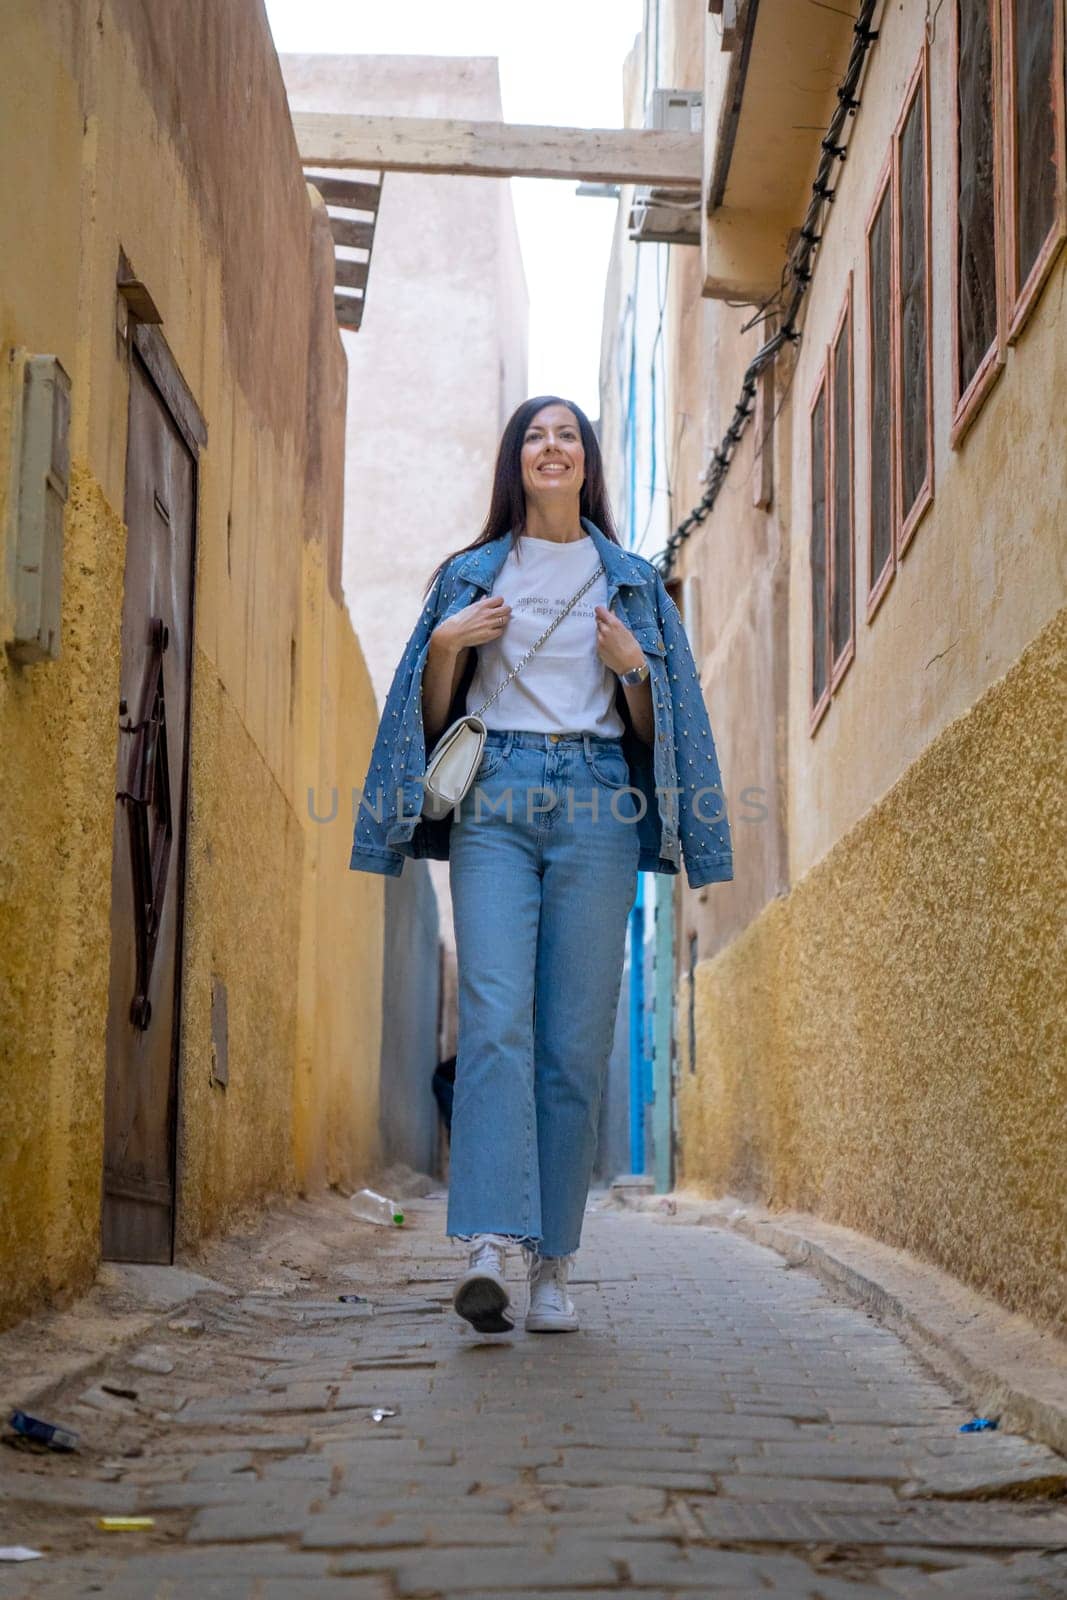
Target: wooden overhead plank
[(348, 309), (357, 235), (498, 149), (347, 192), (350, 274)]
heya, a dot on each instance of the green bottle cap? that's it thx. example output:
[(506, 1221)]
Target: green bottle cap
[(398, 1218)]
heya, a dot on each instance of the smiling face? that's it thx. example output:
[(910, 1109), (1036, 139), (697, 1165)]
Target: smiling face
[(552, 457)]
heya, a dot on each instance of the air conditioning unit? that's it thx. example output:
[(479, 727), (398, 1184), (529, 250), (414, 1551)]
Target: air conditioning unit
[(669, 215)]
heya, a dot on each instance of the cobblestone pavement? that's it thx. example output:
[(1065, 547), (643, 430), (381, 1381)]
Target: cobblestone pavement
[(721, 1427)]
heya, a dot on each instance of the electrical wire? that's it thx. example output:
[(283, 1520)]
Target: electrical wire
[(796, 278)]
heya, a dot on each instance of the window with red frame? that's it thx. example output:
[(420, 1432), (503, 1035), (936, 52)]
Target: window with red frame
[(840, 497), (899, 363), (1011, 200), (911, 185), (831, 537), (881, 429), (1034, 155), (820, 453), (977, 243)]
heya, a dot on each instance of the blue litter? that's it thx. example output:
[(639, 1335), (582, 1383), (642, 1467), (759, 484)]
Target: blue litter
[(47, 1433), (979, 1425)]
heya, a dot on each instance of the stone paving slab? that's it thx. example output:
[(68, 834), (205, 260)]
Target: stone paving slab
[(228, 1442), (349, 1529), (962, 1527), (505, 1569), (721, 1427)]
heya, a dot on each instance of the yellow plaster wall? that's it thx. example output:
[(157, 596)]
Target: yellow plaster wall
[(887, 1045), (347, 992), (56, 805), (245, 861), (113, 140)]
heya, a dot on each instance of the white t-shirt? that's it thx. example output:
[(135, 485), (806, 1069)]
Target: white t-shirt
[(564, 687)]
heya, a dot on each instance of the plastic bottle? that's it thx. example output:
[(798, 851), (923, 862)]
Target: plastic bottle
[(371, 1207)]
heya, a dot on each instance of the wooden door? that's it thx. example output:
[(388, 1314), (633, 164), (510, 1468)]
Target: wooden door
[(140, 1111)]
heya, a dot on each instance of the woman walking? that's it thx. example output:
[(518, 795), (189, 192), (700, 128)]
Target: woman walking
[(598, 762)]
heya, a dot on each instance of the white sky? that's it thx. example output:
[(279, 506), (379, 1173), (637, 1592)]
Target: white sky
[(558, 64)]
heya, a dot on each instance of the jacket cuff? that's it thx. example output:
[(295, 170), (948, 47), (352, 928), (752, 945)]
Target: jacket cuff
[(386, 862), (709, 869)]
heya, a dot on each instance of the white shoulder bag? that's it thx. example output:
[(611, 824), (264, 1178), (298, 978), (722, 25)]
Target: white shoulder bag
[(455, 757)]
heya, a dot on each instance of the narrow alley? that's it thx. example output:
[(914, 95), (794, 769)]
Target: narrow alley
[(722, 1426), (533, 623)]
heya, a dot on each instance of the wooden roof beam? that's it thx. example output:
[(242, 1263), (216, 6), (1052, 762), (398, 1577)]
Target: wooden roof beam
[(498, 149)]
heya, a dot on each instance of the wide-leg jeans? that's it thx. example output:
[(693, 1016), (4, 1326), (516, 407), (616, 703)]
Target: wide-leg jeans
[(543, 869)]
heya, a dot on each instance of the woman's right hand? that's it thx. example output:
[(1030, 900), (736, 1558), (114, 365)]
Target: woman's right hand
[(479, 623)]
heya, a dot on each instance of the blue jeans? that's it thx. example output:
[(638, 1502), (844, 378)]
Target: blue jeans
[(540, 899)]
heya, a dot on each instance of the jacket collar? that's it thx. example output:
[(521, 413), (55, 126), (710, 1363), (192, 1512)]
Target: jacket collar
[(481, 566)]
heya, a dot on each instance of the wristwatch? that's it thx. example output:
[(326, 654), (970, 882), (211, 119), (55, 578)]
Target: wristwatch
[(635, 674)]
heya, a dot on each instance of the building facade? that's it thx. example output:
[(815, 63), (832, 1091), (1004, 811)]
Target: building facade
[(190, 979), (868, 1020)]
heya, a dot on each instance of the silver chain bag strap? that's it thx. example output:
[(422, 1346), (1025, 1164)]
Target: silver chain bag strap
[(455, 757)]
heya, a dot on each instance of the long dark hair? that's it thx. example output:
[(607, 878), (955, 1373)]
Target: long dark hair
[(507, 507)]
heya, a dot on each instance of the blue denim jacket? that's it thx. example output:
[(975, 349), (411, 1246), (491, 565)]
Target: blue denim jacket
[(677, 777)]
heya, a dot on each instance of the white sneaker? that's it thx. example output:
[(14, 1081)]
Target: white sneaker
[(481, 1295), (550, 1309)]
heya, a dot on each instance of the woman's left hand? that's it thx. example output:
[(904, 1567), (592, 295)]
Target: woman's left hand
[(615, 644)]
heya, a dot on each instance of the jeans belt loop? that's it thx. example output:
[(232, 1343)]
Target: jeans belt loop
[(588, 748)]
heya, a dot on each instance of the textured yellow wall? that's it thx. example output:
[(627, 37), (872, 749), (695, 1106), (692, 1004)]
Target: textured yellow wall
[(887, 1046), (119, 139), (347, 993), (57, 738), (242, 925)]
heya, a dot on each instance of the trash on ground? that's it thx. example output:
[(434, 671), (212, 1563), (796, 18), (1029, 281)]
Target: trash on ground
[(47, 1433), (117, 1389), (670, 1207), (980, 1425), (19, 1552), (380, 1413), (125, 1524), (369, 1206), (738, 1214), (352, 1299)]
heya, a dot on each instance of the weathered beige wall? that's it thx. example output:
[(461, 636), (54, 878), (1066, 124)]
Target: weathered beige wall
[(120, 126), (888, 1045)]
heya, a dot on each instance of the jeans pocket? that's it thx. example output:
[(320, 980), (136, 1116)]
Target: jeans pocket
[(610, 768), (492, 757)]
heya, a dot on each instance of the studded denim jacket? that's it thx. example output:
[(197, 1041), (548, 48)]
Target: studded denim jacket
[(676, 780)]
